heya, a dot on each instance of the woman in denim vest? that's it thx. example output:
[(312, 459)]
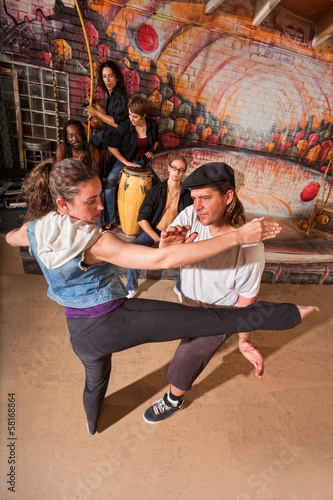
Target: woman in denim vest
[(79, 261)]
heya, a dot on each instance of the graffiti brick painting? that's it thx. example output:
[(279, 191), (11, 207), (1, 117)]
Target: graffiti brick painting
[(167, 166), (219, 87)]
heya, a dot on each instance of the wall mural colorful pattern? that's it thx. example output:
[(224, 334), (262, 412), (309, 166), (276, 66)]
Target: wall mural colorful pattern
[(211, 80), (265, 185)]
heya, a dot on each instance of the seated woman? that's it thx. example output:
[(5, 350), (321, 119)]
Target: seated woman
[(133, 145), (79, 261), (160, 207), (112, 81)]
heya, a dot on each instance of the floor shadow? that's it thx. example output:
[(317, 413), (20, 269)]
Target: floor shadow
[(145, 285), (121, 403), (234, 364)]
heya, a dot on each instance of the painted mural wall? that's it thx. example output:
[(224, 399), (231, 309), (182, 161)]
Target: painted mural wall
[(260, 99)]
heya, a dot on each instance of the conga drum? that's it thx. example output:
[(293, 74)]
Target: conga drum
[(133, 186)]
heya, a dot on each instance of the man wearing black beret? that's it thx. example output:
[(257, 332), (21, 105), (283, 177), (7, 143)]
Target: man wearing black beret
[(232, 278)]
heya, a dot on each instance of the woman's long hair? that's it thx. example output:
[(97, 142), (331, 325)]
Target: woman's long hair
[(117, 73), (234, 215), (51, 180)]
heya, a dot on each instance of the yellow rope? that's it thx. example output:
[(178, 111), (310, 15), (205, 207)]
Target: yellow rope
[(90, 62)]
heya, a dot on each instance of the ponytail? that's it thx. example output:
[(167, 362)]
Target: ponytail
[(35, 189), (51, 180)]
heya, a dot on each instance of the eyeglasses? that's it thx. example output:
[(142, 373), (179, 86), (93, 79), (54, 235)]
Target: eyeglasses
[(180, 170)]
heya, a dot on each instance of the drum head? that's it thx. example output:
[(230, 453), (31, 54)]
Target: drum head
[(141, 172)]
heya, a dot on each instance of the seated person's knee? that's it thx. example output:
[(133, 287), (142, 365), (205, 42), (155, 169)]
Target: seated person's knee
[(111, 184)]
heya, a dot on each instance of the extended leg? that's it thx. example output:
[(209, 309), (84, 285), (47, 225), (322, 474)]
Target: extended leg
[(157, 321)]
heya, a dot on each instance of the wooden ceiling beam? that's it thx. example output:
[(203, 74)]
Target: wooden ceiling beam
[(262, 9), (212, 5), (324, 28)]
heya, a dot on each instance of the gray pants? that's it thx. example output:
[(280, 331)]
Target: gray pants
[(191, 357)]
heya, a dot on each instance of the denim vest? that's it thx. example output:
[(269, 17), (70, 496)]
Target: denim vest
[(72, 286)]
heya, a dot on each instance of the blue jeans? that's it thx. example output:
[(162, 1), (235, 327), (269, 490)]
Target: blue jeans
[(111, 185), (96, 139), (133, 274)]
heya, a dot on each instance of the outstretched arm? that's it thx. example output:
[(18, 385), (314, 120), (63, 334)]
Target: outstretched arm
[(109, 248), (177, 234), (245, 346)]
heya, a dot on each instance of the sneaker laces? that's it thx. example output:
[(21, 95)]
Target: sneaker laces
[(160, 406)]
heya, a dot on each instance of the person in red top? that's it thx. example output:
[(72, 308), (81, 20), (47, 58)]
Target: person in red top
[(133, 144)]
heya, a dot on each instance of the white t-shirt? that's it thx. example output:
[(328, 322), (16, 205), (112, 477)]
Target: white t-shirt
[(219, 280)]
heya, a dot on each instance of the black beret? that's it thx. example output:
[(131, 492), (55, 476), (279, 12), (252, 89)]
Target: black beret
[(210, 174)]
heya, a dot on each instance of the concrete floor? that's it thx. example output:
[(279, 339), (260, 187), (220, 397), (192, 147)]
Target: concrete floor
[(238, 438)]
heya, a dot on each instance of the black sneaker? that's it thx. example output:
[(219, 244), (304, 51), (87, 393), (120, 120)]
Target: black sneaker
[(160, 410)]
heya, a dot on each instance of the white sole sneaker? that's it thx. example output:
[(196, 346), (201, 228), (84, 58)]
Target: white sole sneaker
[(160, 411), (178, 293)]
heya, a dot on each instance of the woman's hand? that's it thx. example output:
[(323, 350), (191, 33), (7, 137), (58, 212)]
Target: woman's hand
[(134, 165), (175, 235), (258, 230)]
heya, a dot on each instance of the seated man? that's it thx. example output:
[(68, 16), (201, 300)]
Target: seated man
[(75, 145), (231, 278), (159, 208)]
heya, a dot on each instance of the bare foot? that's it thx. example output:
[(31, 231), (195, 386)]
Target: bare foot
[(92, 433), (306, 310)]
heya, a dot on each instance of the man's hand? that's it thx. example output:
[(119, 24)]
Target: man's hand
[(253, 355), (93, 101), (175, 235), (92, 111)]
